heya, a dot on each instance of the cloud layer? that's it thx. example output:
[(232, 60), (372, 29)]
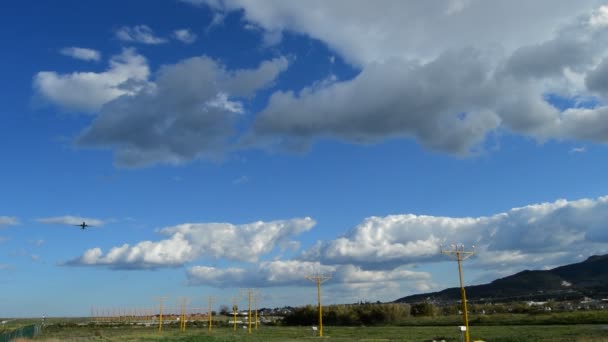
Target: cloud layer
[(530, 236), (426, 71), (446, 91), (293, 273), (387, 252), (187, 242)]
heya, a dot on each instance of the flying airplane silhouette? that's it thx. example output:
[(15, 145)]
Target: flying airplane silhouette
[(83, 225)]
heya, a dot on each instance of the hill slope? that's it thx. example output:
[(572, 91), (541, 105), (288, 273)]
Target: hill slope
[(585, 279)]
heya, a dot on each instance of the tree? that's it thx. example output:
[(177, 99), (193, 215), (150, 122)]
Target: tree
[(224, 310)]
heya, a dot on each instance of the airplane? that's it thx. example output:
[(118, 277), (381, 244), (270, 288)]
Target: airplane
[(83, 225)]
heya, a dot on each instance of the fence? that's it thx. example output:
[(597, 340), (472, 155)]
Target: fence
[(28, 331)]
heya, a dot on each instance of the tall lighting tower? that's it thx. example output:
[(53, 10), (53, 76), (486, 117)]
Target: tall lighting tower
[(160, 315), (319, 279), (459, 253), (249, 293)]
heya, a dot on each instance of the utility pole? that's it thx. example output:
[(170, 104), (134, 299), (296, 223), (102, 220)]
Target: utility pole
[(460, 254), (319, 279), (160, 315), (211, 300)]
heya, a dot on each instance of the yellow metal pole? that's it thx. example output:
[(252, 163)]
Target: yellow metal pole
[(249, 311), (234, 314), (459, 252), (320, 307), (465, 316), (319, 279), (256, 312), (160, 316)]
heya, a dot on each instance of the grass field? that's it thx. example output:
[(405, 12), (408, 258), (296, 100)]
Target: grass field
[(582, 333)]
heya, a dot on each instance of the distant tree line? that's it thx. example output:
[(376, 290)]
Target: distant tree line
[(355, 314), (398, 313)]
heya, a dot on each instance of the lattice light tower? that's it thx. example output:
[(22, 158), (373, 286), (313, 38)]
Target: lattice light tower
[(211, 300), (160, 315), (319, 279), (459, 253), (250, 294)]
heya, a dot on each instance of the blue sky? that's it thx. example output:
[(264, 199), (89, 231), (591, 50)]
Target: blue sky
[(217, 145)]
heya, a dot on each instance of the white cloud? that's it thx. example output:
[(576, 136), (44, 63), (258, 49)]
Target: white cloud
[(185, 36), (581, 149), (599, 18), (530, 236), (364, 32), (8, 221), (187, 242), (70, 221), (88, 91), (222, 102), (189, 112), (428, 72), (84, 54), (293, 272), (139, 34)]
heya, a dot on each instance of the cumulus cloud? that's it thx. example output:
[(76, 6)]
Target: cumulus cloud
[(447, 91), (142, 34), (364, 32), (425, 72), (185, 36), (70, 221), (189, 111), (8, 221), (187, 242), (84, 54), (293, 273), (88, 91), (414, 100), (547, 233)]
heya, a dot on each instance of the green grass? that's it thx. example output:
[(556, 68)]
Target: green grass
[(509, 333)]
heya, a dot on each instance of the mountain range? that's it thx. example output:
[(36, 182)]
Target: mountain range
[(574, 281)]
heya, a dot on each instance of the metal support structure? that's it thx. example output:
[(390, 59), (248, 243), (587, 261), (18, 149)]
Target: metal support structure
[(460, 254), (319, 279), (160, 314), (256, 301), (250, 293), (183, 314)]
